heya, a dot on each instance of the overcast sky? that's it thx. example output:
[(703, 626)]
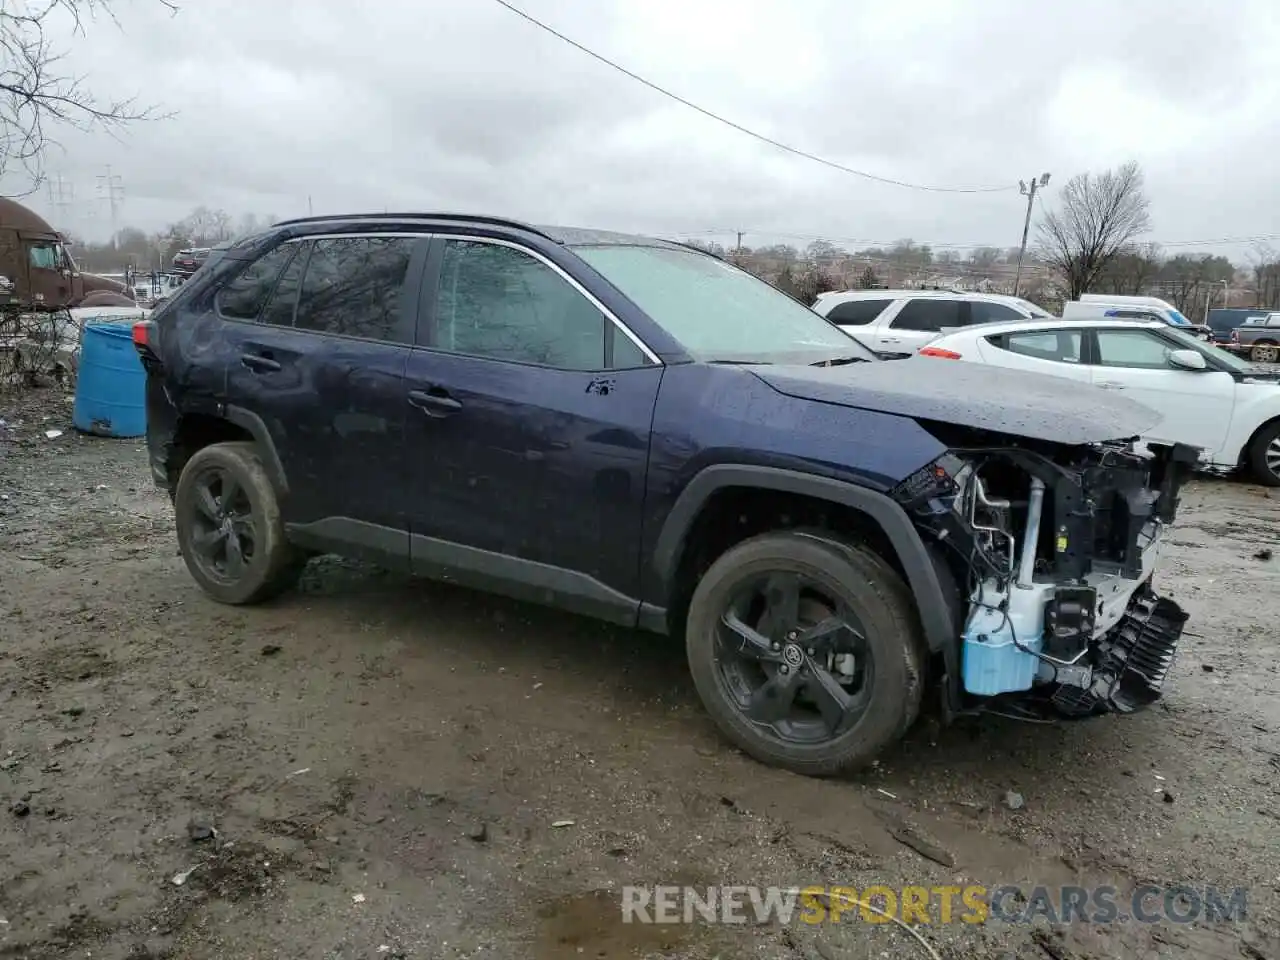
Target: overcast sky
[(283, 106)]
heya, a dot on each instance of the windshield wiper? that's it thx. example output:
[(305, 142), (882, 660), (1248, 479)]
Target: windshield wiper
[(839, 361)]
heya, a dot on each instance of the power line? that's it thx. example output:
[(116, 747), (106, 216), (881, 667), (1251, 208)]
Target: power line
[(967, 245), (739, 127)]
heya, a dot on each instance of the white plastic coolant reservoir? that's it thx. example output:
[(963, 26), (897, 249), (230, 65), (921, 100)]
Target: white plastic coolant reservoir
[(991, 662)]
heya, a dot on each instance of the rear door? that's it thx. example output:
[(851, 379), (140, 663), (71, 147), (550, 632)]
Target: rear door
[(1195, 405), (918, 321), (530, 412), (322, 365)]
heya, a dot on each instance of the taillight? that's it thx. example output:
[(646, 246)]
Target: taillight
[(939, 352), (142, 334)]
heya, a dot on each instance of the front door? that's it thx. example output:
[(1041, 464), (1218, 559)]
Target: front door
[(1195, 406), (322, 365), (529, 426)]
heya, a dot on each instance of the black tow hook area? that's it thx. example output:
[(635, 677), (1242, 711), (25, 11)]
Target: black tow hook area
[(1132, 661)]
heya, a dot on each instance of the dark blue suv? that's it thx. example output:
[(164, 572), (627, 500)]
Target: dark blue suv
[(637, 431)]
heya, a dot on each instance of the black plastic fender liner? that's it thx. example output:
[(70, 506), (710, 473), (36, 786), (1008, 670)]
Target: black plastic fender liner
[(262, 436), (935, 610)]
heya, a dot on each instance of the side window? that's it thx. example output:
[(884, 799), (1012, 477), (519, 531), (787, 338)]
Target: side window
[(1060, 346), (1132, 348), (352, 287), (501, 303), (983, 311), (244, 296), (279, 310), (857, 313), (928, 314), (44, 257)]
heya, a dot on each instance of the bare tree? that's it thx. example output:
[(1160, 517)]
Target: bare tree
[(1266, 277), (1100, 214), (1131, 271), (37, 95)]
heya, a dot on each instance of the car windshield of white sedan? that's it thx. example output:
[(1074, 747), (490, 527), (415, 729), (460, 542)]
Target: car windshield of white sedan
[(1190, 342), (715, 310), (1038, 313)]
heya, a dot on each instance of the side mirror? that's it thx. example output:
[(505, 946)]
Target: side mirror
[(1188, 360)]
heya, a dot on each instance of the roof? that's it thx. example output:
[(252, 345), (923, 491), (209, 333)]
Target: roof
[(568, 236), (842, 296), (15, 216), (1053, 323)]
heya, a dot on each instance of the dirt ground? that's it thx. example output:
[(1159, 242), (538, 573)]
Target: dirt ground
[(376, 767)]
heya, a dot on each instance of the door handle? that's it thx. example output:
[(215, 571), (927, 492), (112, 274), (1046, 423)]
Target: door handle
[(435, 402), (890, 339), (258, 363), (1110, 385)]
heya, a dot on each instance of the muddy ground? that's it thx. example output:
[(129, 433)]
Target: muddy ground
[(383, 763)]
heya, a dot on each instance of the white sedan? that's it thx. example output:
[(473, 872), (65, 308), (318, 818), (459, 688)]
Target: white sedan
[(1206, 396)]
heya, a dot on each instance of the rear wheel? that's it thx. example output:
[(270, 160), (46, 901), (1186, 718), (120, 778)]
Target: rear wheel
[(806, 652), (229, 526), (1264, 353), (1264, 456)]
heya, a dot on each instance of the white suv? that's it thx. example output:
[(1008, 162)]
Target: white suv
[(896, 323)]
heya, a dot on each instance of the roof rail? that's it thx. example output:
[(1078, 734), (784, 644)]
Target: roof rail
[(471, 217)]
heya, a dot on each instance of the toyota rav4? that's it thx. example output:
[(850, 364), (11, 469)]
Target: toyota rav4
[(637, 431)]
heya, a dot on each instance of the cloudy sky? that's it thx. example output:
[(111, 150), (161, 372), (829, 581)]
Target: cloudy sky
[(281, 106)]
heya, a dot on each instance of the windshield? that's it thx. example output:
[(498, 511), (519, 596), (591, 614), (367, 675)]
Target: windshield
[(1190, 342), (1038, 312), (717, 311)]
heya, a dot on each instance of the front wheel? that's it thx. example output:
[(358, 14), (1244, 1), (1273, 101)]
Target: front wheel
[(1264, 456), (229, 526), (806, 652)]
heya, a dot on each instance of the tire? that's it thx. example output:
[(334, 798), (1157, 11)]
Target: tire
[(1263, 352), (1267, 440), (874, 595), (270, 564)]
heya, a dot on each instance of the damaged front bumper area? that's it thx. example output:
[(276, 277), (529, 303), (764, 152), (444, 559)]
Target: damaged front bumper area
[(1054, 549)]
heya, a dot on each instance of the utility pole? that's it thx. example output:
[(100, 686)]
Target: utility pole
[(1030, 194), (113, 188), (60, 196)]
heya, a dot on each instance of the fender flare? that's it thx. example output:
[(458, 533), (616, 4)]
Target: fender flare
[(918, 563), (253, 423)]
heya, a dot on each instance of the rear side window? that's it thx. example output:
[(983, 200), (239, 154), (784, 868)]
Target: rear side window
[(929, 314), (1061, 346), (983, 311), (352, 286), (244, 297), (857, 313)]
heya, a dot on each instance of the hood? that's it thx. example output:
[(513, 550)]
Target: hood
[(972, 395), (94, 282)]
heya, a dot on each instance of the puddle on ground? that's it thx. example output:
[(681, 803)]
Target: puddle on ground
[(589, 925)]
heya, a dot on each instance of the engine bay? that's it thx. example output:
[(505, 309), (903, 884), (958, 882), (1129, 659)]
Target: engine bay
[(1053, 549)]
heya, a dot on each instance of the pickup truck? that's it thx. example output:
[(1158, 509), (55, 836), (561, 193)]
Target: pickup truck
[(1259, 337)]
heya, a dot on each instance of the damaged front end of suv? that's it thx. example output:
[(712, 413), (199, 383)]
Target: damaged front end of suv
[(1053, 547)]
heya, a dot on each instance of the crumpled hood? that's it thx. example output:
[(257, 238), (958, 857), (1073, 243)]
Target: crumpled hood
[(970, 394)]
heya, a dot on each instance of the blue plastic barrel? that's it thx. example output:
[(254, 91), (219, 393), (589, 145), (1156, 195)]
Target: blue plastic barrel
[(111, 384)]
